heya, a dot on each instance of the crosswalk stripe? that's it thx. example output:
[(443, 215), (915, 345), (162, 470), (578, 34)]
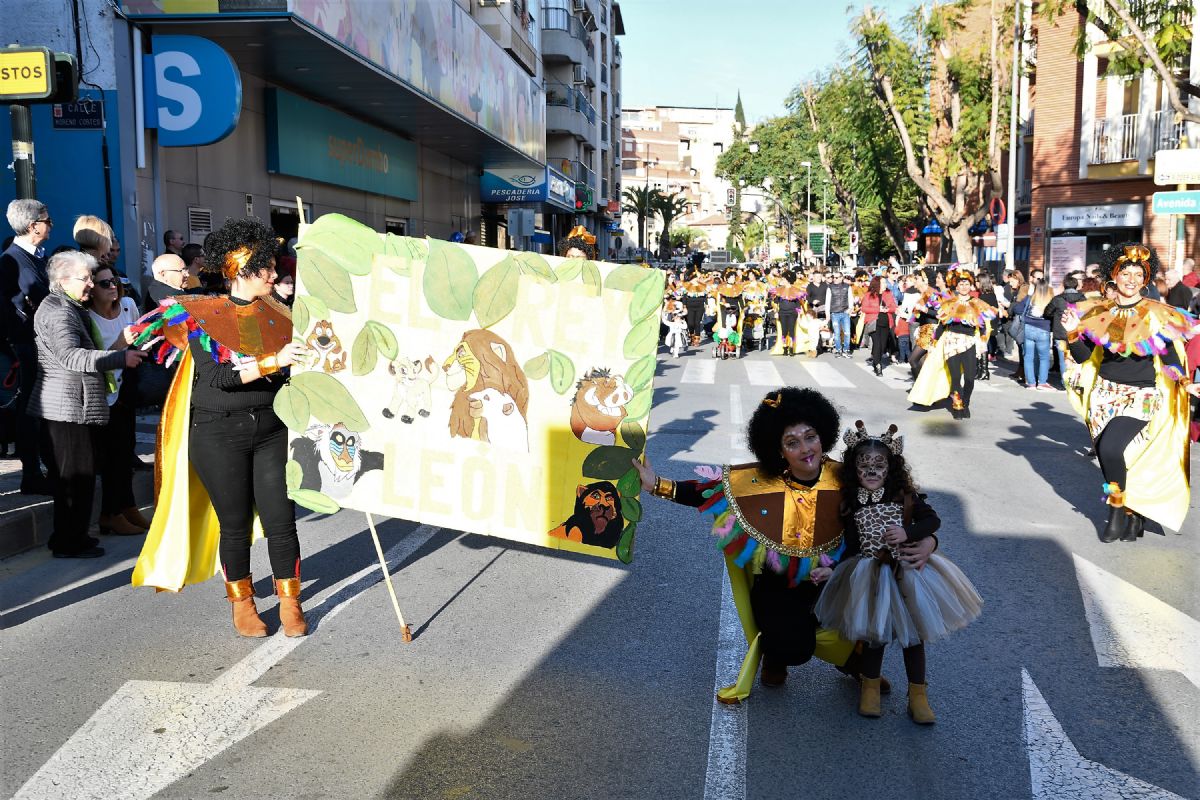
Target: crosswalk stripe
[(891, 376), (826, 375), (699, 370), (762, 373)]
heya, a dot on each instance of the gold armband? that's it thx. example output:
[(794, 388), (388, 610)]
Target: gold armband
[(1073, 336), (664, 488), (268, 365)]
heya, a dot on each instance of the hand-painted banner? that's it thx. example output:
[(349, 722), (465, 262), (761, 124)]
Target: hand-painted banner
[(501, 393)]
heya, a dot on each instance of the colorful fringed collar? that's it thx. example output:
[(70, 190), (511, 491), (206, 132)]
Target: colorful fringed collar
[(1143, 329), (970, 311), (224, 329)]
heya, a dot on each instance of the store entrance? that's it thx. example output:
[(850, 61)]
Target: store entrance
[(1101, 239), (285, 220)]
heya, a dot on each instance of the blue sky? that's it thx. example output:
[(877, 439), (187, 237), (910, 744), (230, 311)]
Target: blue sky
[(700, 52)]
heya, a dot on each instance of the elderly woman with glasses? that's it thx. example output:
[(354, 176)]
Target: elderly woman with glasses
[(70, 395), (1132, 390)]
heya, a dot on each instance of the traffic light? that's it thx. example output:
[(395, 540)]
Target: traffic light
[(584, 199), (730, 197)]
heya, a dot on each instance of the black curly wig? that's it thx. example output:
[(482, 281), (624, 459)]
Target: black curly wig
[(1108, 262), (589, 250), (899, 478), (780, 410), (248, 232)]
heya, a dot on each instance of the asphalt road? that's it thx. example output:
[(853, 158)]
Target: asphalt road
[(539, 675)]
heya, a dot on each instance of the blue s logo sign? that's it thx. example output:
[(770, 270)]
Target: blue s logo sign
[(193, 92)]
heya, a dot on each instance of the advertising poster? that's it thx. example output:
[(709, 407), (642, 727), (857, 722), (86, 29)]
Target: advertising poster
[(1067, 254)]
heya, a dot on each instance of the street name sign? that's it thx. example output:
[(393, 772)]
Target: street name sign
[(1176, 202), (1176, 166), (26, 73)]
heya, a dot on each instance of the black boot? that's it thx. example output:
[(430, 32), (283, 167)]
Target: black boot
[(1118, 525), (1137, 526)]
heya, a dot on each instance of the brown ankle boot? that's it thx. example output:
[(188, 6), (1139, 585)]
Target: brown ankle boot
[(246, 620), (868, 698), (134, 515), (918, 704), (291, 616), (117, 525)]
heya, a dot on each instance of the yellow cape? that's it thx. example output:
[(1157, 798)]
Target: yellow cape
[(181, 547), (933, 381), (1157, 485)]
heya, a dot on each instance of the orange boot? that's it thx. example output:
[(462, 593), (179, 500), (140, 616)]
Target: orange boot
[(246, 620), (291, 616)]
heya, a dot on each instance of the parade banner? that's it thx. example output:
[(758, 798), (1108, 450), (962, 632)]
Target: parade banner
[(496, 392)]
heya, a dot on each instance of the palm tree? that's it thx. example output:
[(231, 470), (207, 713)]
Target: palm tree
[(641, 201), (670, 207)]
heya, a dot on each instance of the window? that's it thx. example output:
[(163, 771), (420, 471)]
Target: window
[(396, 225)]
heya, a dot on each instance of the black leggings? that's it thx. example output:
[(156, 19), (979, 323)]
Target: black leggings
[(239, 456), (787, 327), (784, 616), (1111, 444), (914, 662), (962, 373), (695, 314), (879, 339), (116, 443)]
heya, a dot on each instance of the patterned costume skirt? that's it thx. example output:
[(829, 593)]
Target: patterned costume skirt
[(924, 337), (1109, 400), (878, 603), (955, 343)]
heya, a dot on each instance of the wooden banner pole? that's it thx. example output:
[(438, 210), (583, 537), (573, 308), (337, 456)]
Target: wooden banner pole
[(405, 630)]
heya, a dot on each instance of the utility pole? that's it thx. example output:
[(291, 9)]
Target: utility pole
[(1014, 110), (807, 204), (22, 150)]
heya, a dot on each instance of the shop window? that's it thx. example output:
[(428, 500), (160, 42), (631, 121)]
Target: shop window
[(395, 225), (285, 219)]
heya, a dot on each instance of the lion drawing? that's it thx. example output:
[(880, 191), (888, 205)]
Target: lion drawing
[(599, 406), (482, 360), (596, 519)]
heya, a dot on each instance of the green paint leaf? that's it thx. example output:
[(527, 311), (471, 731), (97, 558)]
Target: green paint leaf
[(402, 253), (642, 338), (633, 435), (626, 277), (534, 264), (299, 318), (630, 484), (329, 401), (537, 367), (562, 371), (631, 509), (625, 546), (495, 295), (591, 278), (608, 462), (326, 280), (570, 269), (315, 501), (647, 296), (314, 305), (291, 406), (385, 340), (449, 281), (639, 406), (293, 474), (346, 242), (364, 353), (641, 373)]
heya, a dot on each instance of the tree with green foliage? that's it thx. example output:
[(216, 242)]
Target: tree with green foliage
[(686, 237), (640, 201), (670, 208)]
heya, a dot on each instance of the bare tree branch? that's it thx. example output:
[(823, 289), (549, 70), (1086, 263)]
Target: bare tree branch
[(1151, 51)]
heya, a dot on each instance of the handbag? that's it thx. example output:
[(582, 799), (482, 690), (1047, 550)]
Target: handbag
[(1016, 327)]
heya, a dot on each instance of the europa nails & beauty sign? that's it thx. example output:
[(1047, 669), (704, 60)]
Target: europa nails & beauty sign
[(192, 91)]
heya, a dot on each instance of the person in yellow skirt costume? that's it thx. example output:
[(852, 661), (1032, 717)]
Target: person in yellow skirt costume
[(798, 329), (1132, 387)]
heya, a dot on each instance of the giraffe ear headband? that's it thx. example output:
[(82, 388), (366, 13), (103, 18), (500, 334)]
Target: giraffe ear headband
[(892, 439)]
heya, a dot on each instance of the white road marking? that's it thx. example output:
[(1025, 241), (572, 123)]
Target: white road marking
[(1132, 628), (699, 370), (825, 375), (1056, 769), (762, 373), (891, 377), (167, 729), (737, 414), (725, 778)]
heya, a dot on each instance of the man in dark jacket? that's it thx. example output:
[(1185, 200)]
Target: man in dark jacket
[(170, 278), (1069, 296)]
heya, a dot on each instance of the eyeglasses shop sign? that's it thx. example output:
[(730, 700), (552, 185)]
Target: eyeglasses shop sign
[(1116, 215)]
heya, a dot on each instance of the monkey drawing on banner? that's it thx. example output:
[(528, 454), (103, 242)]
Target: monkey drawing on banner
[(597, 519), (332, 459), (599, 406), (412, 396), (483, 361), (331, 357)]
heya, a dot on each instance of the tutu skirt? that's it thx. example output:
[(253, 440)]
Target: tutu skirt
[(878, 603)]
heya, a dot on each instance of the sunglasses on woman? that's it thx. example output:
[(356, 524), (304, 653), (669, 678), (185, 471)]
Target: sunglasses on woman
[(107, 283)]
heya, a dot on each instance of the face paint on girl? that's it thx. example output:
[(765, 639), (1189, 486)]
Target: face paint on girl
[(872, 468)]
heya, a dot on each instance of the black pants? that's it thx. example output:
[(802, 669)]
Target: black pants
[(784, 616), (962, 373), (74, 451), (880, 339), (695, 314), (239, 456), (787, 328), (1111, 444), (32, 440), (115, 442)]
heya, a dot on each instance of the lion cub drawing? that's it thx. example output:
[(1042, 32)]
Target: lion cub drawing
[(412, 395)]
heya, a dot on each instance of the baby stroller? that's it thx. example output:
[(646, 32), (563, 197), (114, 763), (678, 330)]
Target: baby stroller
[(728, 341)]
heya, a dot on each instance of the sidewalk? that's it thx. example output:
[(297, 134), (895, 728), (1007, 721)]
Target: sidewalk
[(26, 520)]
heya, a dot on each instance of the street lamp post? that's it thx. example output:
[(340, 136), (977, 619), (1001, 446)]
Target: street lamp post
[(824, 228), (807, 203)]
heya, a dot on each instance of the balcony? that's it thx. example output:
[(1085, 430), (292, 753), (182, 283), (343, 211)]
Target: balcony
[(580, 173), (568, 111), (511, 26), (604, 133), (604, 74), (616, 53), (1167, 132), (564, 39), (1025, 194), (1112, 143)]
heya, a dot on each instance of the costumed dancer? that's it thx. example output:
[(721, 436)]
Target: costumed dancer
[(777, 522), (731, 305), (964, 323), (695, 296), (875, 598), (788, 299), (578, 244), (923, 327), (221, 448), (754, 295), (673, 317), (1131, 387)]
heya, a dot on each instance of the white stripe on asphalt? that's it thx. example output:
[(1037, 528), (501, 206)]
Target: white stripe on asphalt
[(762, 373), (725, 778), (737, 415), (891, 377), (699, 370), (826, 375)]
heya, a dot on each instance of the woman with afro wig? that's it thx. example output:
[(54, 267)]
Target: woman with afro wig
[(1131, 386), (778, 522), (222, 449)]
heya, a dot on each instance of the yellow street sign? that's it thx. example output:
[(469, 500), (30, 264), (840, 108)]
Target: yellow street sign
[(26, 73)]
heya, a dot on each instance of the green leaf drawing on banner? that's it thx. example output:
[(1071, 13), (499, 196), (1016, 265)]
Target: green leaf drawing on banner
[(364, 353), (385, 340), (315, 501), (631, 509), (608, 462), (639, 375), (329, 401), (626, 277), (495, 295), (633, 435), (347, 242), (639, 406), (647, 296), (314, 305), (538, 367), (569, 270), (625, 546), (534, 264), (642, 338), (327, 281), (292, 407), (591, 278), (630, 484), (401, 252), (293, 474), (449, 282), (299, 318), (562, 371)]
